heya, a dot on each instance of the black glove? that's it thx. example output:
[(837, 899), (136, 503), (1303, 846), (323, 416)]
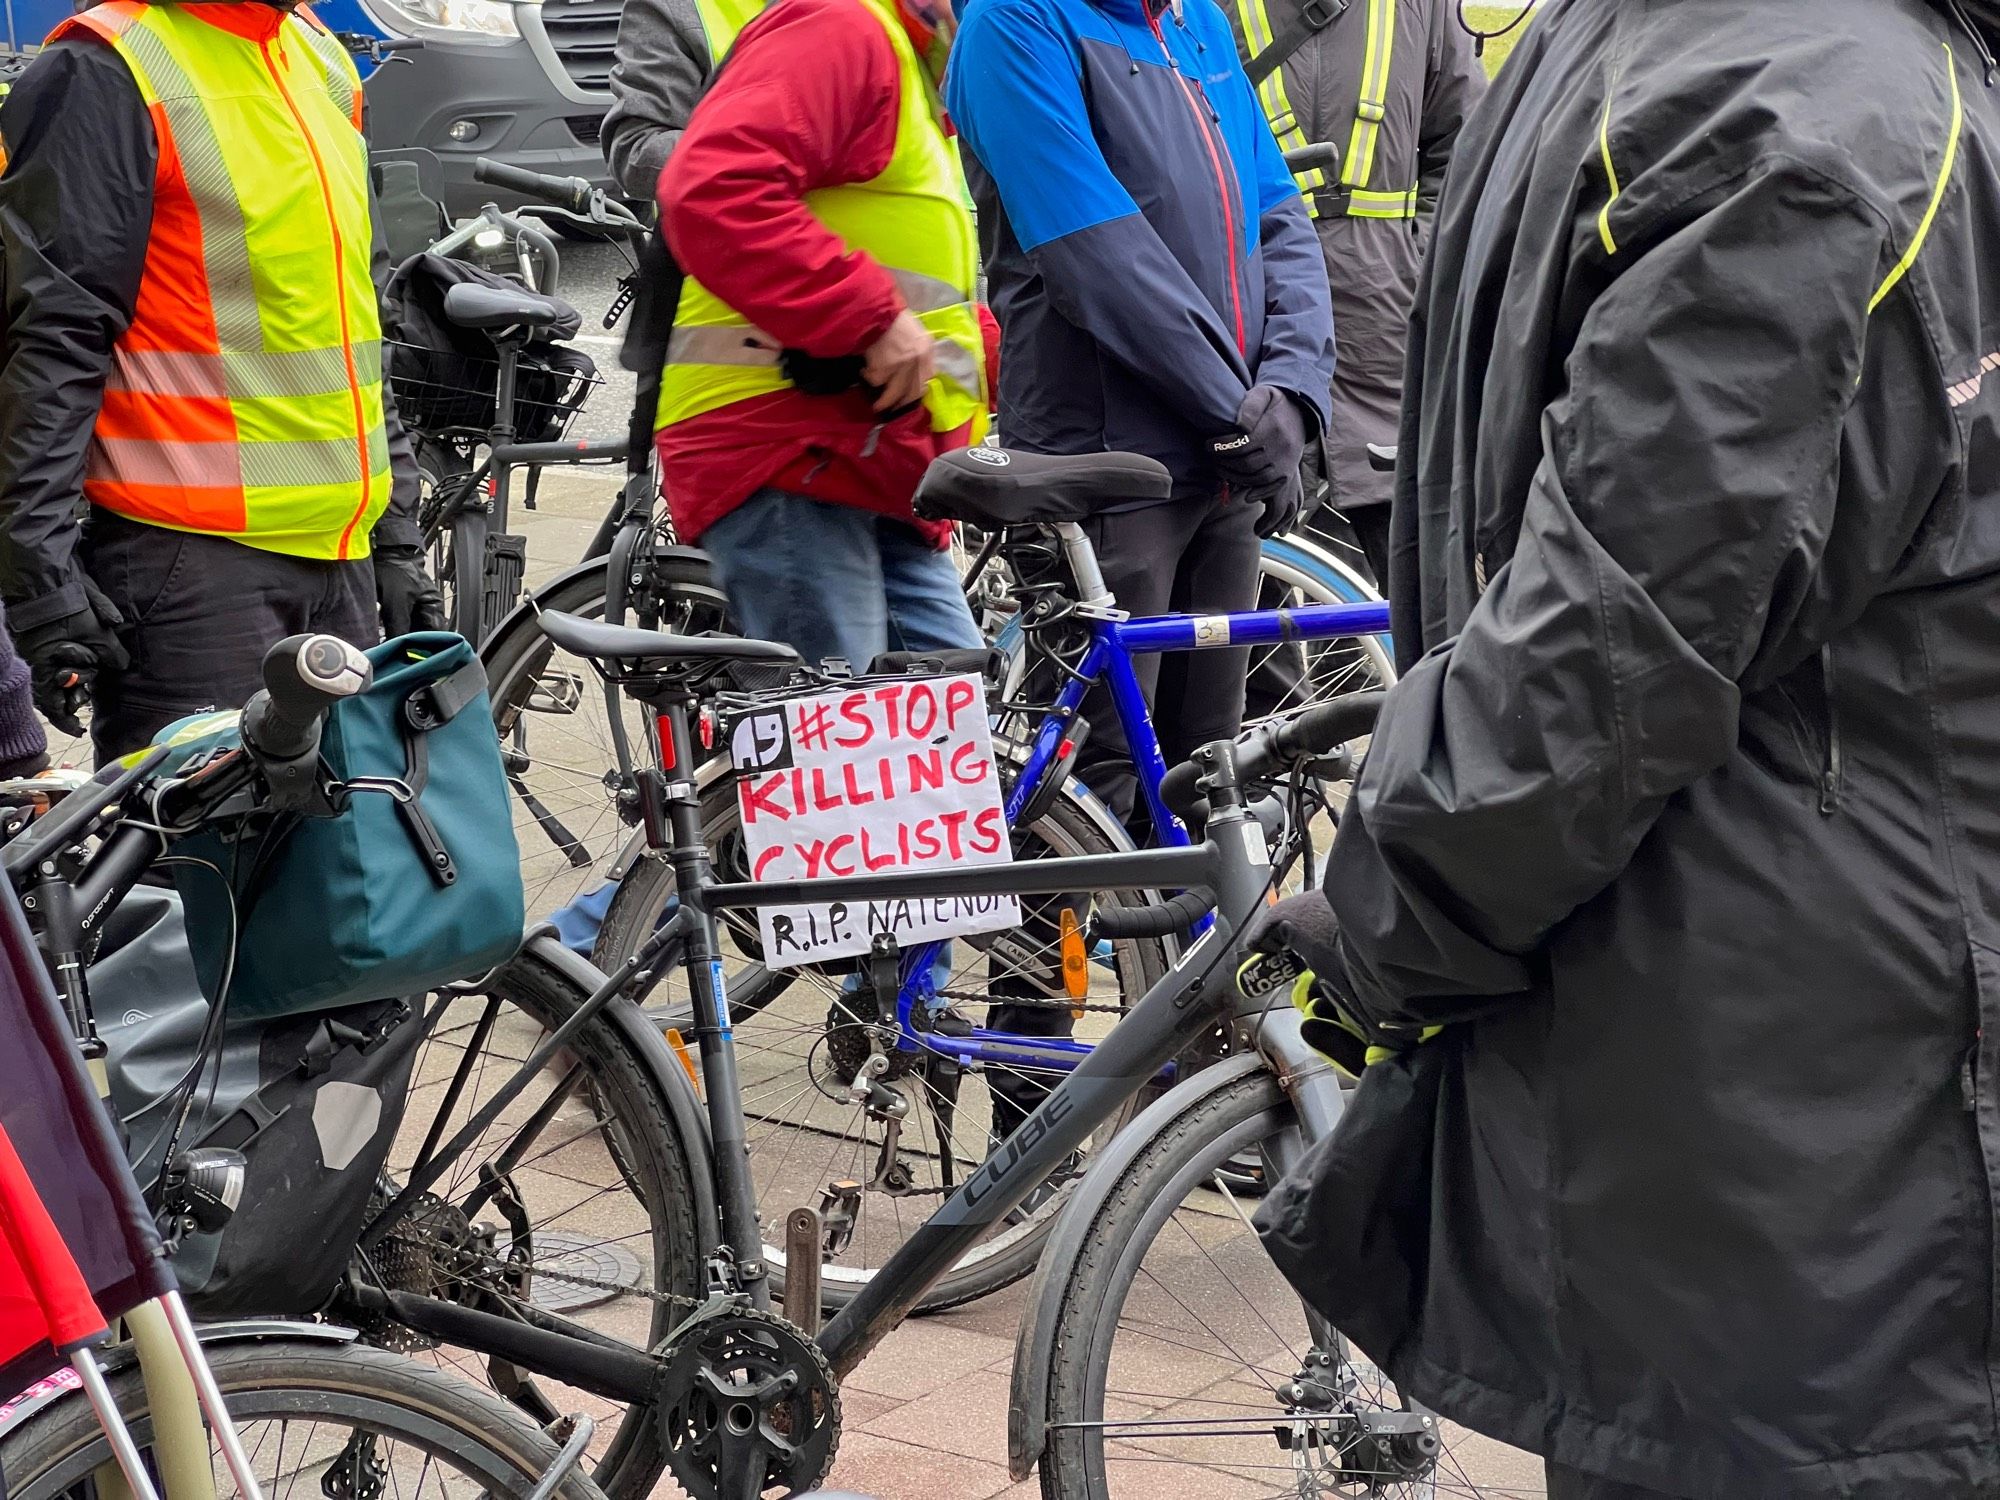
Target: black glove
[(1293, 951), (1260, 460), (406, 593), (65, 655)]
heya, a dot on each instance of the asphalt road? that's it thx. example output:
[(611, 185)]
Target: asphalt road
[(589, 281)]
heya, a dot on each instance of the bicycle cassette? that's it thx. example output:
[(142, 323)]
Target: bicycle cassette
[(751, 1405)]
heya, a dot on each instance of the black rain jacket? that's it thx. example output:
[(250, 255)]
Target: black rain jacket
[(1686, 814)]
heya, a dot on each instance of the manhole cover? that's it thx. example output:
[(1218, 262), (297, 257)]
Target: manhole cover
[(573, 1255)]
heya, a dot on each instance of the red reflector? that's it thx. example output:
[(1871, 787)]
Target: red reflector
[(1065, 749), (708, 729), (666, 728)]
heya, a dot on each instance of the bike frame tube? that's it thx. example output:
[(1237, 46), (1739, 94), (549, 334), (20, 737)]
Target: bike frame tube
[(1109, 659)]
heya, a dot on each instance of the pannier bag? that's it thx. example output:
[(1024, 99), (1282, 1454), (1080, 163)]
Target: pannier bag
[(415, 883), (312, 1102)]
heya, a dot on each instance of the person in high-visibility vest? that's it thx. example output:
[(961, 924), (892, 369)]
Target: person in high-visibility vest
[(188, 286), (1387, 84), (827, 344), (667, 52)]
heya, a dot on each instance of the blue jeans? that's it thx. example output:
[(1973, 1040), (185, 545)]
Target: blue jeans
[(833, 581)]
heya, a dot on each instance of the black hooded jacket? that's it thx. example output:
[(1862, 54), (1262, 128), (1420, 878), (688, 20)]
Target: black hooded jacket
[(1686, 814)]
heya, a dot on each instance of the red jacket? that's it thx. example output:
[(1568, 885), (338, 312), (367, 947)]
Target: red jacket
[(809, 100)]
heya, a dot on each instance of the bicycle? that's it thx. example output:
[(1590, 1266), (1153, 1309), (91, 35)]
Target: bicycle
[(467, 416), (555, 1137), (754, 1400), (797, 1029)]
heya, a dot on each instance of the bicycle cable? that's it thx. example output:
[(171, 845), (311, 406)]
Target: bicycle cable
[(1481, 37)]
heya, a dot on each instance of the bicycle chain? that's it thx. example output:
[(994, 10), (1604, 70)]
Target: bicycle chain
[(963, 997)]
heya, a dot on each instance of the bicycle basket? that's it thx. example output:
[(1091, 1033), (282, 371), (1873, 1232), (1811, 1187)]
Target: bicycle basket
[(417, 881), (441, 390)]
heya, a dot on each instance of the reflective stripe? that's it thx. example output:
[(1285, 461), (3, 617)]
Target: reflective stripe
[(342, 81), (320, 462), (1271, 94), (719, 346), (926, 293), (239, 374), (1365, 203), (210, 466), (1373, 104), (225, 242), (959, 366), (1902, 267), (1610, 176)]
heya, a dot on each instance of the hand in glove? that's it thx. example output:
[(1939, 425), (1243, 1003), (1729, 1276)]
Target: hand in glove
[(407, 594), (1294, 947), (1260, 460), (65, 655)]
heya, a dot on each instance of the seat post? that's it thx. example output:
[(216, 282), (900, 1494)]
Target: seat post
[(1082, 560)]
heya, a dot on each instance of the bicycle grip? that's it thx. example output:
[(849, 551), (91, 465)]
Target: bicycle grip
[(572, 193), (304, 676), (1176, 914), (1322, 728)]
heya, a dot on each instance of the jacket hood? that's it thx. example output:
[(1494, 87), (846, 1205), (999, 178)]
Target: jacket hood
[(1981, 18)]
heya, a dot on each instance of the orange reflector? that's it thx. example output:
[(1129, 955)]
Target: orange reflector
[(687, 1059), (1075, 961)]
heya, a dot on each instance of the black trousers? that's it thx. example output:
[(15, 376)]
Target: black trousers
[(1187, 556), (1370, 524), (1573, 1484), (200, 612)]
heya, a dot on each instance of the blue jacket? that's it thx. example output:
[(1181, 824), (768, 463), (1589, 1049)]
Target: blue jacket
[(1147, 254)]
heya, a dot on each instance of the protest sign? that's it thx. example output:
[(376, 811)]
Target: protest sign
[(884, 776)]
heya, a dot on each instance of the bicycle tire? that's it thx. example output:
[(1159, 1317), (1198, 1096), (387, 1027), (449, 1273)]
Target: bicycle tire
[(451, 531), (619, 1112), (1109, 1427), (54, 1451), (465, 594), (553, 718), (1067, 828)]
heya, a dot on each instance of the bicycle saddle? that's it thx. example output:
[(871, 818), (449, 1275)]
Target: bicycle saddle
[(621, 643), (993, 487), (489, 307)]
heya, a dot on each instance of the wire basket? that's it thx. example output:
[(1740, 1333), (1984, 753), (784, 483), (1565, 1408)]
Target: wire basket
[(443, 391)]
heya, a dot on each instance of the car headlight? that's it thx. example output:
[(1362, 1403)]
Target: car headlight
[(482, 17)]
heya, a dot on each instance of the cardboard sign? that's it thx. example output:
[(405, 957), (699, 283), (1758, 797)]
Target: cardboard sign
[(882, 777)]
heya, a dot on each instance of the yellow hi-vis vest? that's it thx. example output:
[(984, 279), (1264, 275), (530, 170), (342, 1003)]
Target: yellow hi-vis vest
[(245, 399), (721, 20), (913, 219)]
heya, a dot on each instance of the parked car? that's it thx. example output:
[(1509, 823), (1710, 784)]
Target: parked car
[(522, 81)]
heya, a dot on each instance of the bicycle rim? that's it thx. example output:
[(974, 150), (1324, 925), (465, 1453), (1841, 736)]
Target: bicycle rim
[(1185, 1364), (344, 1422), (577, 1202), (575, 819)]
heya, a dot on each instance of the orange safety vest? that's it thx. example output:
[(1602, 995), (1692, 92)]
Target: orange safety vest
[(245, 399)]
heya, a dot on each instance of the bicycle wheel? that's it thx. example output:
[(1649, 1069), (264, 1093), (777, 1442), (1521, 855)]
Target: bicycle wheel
[(578, 1201), (575, 818), (878, 1169), (1285, 678), (1177, 1342), (339, 1420)]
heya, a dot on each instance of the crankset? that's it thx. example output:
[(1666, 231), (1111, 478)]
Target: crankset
[(751, 1405)]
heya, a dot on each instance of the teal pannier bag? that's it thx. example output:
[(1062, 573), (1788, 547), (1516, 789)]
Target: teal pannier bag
[(414, 883)]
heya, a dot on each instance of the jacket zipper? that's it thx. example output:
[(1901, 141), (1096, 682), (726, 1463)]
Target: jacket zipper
[(1830, 770), (1209, 140), (340, 294)]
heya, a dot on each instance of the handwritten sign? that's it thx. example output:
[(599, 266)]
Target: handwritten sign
[(882, 777)]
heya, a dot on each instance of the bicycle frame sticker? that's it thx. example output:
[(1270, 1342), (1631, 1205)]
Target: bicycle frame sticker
[(888, 776)]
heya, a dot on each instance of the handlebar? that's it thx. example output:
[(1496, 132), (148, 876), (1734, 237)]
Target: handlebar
[(1272, 746), (571, 193), (1320, 156), (304, 676)]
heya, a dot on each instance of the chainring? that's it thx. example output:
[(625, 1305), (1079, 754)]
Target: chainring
[(746, 1385)]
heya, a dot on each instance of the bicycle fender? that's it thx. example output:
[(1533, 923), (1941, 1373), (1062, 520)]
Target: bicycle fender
[(523, 614), (1034, 1348), (114, 1358), (670, 1080)]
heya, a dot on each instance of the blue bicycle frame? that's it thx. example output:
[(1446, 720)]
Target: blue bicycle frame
[(1109, 659)]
